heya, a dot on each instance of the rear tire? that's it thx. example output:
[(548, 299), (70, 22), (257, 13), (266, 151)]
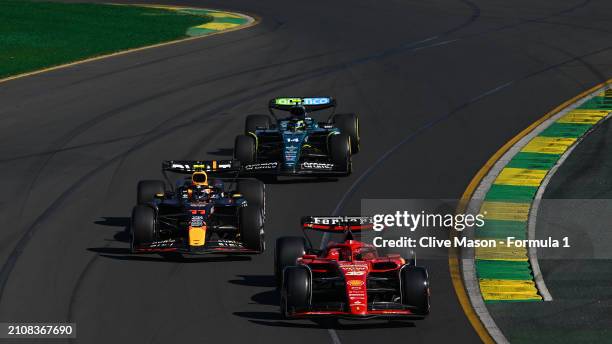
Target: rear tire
[(251, 228), (254, 121), (147, 189), (254, 192), (349, 124), (286, 253), (415, 288), (143, 226), (245, 149), (340, 151), (296, 291)]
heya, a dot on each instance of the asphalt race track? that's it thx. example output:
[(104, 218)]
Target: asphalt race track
[(439, 86)]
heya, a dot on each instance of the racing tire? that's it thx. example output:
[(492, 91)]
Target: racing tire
[(340, 151), (349, 124), (147, 189), (251, 228), (245, 149), (253, 122), (254, 192), (296, 290), (143, 228), (286, 253), (414, 282)]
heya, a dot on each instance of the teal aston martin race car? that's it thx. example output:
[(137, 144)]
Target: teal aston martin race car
[(298, 145)]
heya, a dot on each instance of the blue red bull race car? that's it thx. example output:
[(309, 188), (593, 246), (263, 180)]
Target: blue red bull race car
[(298, 145), (347, 279), (200, 214)]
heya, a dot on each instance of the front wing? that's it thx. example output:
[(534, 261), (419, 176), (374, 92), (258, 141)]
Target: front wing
[(318, 169), (213, 246), (387, 310)]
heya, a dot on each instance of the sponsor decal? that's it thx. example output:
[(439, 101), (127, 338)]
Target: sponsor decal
[(354, 283), (228, 243), (354, 270), (356, 295), (291, 152), (288, 101), (197, 221), (180, 166), (302, 101), (262, 166), (334, 220), (316, 101), (201, 165), (162, 243), (318, 165)]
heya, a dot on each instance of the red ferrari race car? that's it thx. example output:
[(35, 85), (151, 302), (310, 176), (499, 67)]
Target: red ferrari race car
[(347, 279)]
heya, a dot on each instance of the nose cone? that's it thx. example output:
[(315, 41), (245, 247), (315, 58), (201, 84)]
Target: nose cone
[(357, 295), (197, 236), (291, 149)]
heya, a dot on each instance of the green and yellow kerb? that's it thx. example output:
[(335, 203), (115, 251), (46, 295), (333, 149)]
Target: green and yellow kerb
[(221, 21), (504, 273)]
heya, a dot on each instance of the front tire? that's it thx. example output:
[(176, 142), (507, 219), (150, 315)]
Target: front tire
[(286, 253), (415, 288), (251, 228), (143, 226), (349, 124), (340, 151), (245, 149), (254, 192), (296, 291), (147, 189)]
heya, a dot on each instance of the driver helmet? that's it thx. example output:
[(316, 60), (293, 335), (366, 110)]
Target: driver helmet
[(296, 125), (199, 178), (199, 190)]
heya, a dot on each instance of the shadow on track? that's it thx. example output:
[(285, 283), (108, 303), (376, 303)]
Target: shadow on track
[(275, 319), (268, 297), (267, 281), (122, 222), (124, 253), (114, 253)]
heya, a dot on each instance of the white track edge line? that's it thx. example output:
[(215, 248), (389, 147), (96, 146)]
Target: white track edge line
[(468, 268), (533, 211)]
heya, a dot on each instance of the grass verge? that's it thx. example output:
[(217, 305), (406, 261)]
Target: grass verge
[(36, 35)]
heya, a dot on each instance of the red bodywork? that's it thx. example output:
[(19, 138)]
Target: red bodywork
[(355, 261)]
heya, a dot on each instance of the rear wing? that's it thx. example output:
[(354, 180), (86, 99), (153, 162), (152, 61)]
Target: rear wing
[(309, 103), (190, 166), (337, 224)]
